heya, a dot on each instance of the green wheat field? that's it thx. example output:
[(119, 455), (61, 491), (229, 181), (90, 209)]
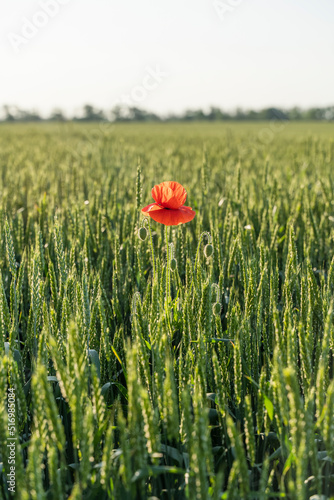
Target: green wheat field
[(188, 363)]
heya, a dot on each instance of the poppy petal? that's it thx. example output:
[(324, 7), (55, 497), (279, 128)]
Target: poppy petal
[(172, 217), (169, 194), (150, 207)]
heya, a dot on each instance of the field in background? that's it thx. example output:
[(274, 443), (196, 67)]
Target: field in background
[(134, 380)]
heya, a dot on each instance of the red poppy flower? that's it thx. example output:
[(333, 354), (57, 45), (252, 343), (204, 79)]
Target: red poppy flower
[(169, 208)]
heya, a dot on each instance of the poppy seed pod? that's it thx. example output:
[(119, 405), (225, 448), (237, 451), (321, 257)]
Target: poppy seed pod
[(208, 250), (142, 233), (173, 264), (216, 308)]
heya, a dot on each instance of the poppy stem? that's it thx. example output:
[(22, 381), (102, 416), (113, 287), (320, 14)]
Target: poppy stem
[(168, 266), (152, 250), (169, 251)]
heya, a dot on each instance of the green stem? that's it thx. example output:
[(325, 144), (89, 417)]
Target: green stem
[(197, 256), (168, 267), (198, 249), (152, 251), (167, 297), (208, 235)]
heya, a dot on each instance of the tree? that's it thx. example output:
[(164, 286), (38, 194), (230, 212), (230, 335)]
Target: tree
[(57, 116), (9, 117), (92, 114)]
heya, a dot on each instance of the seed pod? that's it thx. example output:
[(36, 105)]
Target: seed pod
[(216, 308), (142, 233), (173, 264), (208, 250)]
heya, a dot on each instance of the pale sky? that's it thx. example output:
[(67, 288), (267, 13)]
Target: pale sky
[(166, 56)]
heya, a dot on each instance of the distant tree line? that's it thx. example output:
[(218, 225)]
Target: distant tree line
[(134, 114)]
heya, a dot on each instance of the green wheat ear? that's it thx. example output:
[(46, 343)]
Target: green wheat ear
[(192, 362)]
